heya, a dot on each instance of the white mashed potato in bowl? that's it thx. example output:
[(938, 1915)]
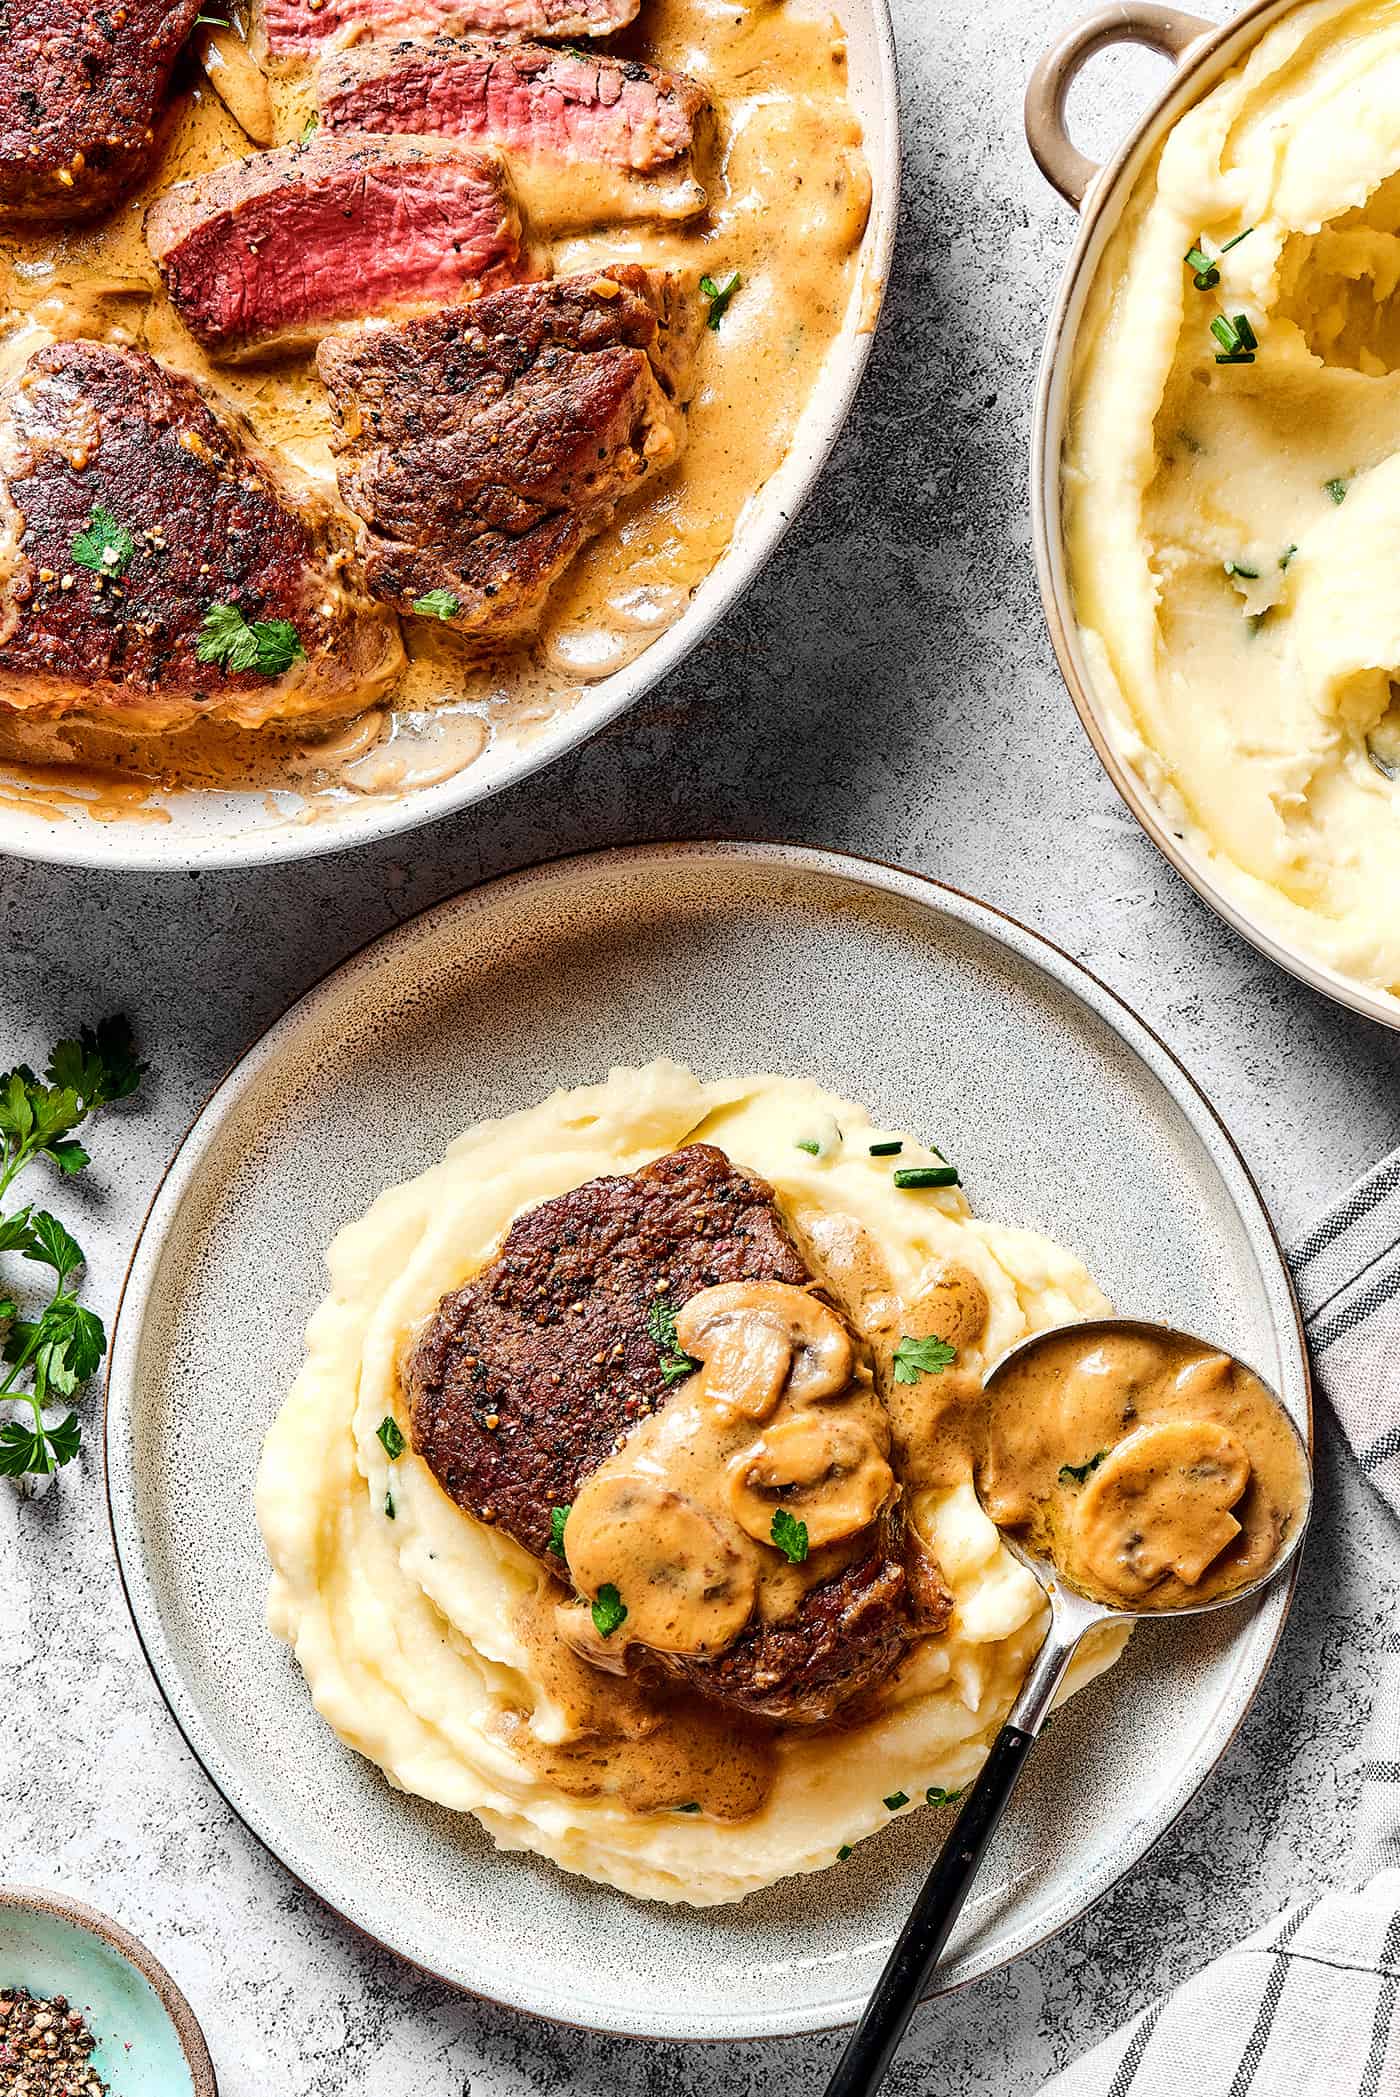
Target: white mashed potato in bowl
[(1231, 485), (411, 1620)]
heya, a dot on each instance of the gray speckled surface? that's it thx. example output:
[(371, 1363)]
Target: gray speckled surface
[(926, 725)]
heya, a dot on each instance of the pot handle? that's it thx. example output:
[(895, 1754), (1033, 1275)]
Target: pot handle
[(1165, 29)]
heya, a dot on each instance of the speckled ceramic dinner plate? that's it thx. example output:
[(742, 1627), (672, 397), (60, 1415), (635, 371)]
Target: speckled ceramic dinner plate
[(1065, 1114)]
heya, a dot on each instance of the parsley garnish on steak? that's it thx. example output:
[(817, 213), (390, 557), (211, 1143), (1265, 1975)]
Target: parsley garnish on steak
[(103, 545), (268, 646)]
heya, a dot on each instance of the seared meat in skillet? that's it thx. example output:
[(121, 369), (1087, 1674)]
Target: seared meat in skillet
[(637, 128), (484, 445), (129, 509), (268, 252), (80, 95), (294, 27)]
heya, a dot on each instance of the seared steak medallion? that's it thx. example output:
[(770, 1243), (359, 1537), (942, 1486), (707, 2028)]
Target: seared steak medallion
[(192, 519), (484, 445), (539, 104), (80, 92), (272, 250), (527, 1380), (294, 27)]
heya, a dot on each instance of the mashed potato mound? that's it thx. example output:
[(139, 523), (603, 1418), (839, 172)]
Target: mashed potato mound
[(1232, 528), (405, 1626)]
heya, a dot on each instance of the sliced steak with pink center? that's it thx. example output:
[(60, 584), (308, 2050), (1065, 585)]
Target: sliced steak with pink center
[(485, 445), (634, 127), (271, 251), (129, 509), (294, 27), (80, 92)]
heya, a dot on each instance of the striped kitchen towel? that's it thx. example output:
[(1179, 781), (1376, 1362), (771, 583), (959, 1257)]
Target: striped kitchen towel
[(1306, 2007)]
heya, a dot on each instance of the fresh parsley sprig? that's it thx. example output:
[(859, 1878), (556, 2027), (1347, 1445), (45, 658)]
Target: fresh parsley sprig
[(790, 1536), (55, 1352), (228, 638), (50, 1356), (717, 292), (37, 1119), (916, 1358), (104, 545), (609, 1610), (661, 1325), (438, 604)]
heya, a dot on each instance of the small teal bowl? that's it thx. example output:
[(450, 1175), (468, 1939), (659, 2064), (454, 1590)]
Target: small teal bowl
[(149, 2043)]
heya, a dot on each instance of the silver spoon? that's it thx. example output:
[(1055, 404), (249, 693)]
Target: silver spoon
[(872, 2045)]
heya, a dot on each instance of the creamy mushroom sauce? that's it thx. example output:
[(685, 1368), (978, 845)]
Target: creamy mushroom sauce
[(789, 200), (1156, 1472), (780, 1417)]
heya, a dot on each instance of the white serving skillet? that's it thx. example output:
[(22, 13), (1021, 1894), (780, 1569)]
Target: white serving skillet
[(243, 829), (1203, 53)]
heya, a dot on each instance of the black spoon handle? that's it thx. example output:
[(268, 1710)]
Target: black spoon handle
[(861, 2068)]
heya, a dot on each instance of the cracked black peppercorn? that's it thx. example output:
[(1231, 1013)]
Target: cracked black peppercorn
[(45, 2048)]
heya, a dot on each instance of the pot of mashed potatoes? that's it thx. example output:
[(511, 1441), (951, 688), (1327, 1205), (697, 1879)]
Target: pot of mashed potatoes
[(1219, 433), (430, 1640)]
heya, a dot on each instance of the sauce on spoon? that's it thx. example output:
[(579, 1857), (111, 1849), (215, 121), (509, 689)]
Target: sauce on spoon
[(1155, 1471)]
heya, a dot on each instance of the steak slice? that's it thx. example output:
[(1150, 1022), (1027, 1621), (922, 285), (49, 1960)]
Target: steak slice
[(87, 426), (272, 250), (80, 90), (551, 1344), (484, 445), (294, 27), (635, 126)]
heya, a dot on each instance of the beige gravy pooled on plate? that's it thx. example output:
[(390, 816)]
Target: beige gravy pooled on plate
[(789, 198), (656, 1748), (1156, 1472)]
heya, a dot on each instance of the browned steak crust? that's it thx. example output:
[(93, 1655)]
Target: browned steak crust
[(87, 425), (297, 26), (80, 88), (485, 444), (551, 1340), (844, 1640), (525, 1381)]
